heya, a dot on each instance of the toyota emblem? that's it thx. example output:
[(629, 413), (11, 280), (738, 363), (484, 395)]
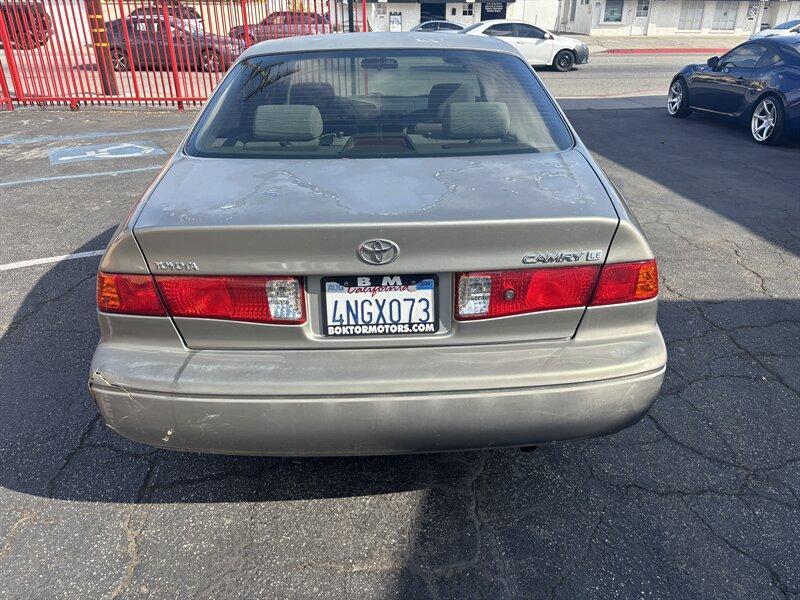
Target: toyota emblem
[(378, 252)]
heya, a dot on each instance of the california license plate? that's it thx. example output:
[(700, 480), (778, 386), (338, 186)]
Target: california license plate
[(380, 305)]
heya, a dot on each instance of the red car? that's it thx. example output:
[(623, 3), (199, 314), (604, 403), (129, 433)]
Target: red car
[(28, 23), (282, 24)]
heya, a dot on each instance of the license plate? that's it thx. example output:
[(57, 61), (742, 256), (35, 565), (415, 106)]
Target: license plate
[(380, 305)]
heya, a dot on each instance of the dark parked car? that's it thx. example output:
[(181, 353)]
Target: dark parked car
[(282, 24), (757, 82), (28, 23), (149, 44)]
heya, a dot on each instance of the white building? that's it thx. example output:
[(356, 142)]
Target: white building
[(594, 17), (402, 16), (673, 17)]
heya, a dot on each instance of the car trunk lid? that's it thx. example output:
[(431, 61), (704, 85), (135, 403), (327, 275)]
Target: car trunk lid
[(308, 217)]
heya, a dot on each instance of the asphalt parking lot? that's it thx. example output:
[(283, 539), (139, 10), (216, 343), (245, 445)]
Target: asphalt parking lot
[(699, 500)]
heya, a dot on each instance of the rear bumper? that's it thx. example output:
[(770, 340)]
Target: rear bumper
[(387, 402), (377, 424)]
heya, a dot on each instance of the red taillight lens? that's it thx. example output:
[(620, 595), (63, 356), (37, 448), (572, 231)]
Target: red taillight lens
[(489, 294), (258, 298), (128, 294), (626, 282)]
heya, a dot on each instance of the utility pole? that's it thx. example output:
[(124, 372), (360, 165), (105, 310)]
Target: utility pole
[(97, 27), (350, 16)]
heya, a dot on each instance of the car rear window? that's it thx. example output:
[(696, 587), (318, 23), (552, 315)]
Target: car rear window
[(388, 103)]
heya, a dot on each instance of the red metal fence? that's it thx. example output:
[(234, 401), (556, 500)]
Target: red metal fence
[(144, 51)]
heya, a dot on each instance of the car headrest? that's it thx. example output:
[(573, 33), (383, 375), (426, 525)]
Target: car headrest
[(470, 120), (287, 123), (311, 93), (441, 92)]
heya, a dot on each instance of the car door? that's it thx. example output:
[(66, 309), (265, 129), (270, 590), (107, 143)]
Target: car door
[(535, 45), (766, 74), (723, 88)]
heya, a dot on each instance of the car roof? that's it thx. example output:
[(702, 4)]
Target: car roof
[(791, 40), (496, 21), (779, 40), (378, 41)]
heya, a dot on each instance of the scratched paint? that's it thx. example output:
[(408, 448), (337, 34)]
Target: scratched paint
[(74, 154)]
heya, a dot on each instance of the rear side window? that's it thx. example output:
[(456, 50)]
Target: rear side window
[(389, 103), (503, 29), (768, 59)]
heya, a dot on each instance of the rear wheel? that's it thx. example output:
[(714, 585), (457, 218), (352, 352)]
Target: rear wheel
[(210, 61), (678, 99), (564, 61), (767, 124), (119, 60)]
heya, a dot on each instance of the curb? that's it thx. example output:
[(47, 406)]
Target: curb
[(667, 50)]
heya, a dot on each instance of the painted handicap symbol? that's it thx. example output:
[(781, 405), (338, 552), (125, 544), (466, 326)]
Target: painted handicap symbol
[(122, 150)]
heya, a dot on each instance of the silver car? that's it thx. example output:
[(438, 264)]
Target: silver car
[(377, 243)]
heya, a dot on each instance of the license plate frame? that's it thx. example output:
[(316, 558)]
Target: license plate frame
[(352, 281)]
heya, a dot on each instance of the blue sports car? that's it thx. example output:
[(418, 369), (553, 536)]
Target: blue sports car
[(758, 81)]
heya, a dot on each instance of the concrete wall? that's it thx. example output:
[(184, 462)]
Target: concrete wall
[(665, 16), (542, 13), (459, 16), (780, 12), (379, 14)]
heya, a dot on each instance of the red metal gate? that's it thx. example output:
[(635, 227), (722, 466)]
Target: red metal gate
[(144, 51)]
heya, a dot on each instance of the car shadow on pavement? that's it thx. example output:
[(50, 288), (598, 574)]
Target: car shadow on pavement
[(704, 159)]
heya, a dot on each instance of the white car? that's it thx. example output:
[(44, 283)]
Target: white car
[(789, 28), (539, 47)]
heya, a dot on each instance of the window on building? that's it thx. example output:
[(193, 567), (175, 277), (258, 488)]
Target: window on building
[(691, 15), (613, 12), (642, 8), (725, 16), (466, 10), (572, 6)]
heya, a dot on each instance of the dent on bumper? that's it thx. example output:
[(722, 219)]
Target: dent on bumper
[(375, 423)]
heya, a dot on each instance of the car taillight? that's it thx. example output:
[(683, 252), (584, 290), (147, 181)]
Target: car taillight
[(489, 294), (261, 299), (128, 294), (626, 282)]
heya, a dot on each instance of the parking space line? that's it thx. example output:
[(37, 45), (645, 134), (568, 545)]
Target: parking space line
[(77, 176), (89, 135), (50, 259)]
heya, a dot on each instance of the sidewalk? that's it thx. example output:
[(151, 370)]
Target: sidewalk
[(651, 44)]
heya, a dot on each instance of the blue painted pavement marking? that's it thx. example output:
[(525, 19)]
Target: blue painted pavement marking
[(73, 154)]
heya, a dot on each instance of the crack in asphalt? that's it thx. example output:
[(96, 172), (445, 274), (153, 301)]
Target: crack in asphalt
[(775, 577), (132, 550), (8, 543)]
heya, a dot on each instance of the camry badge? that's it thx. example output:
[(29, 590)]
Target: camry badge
[(378, 252), (561, 257)]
